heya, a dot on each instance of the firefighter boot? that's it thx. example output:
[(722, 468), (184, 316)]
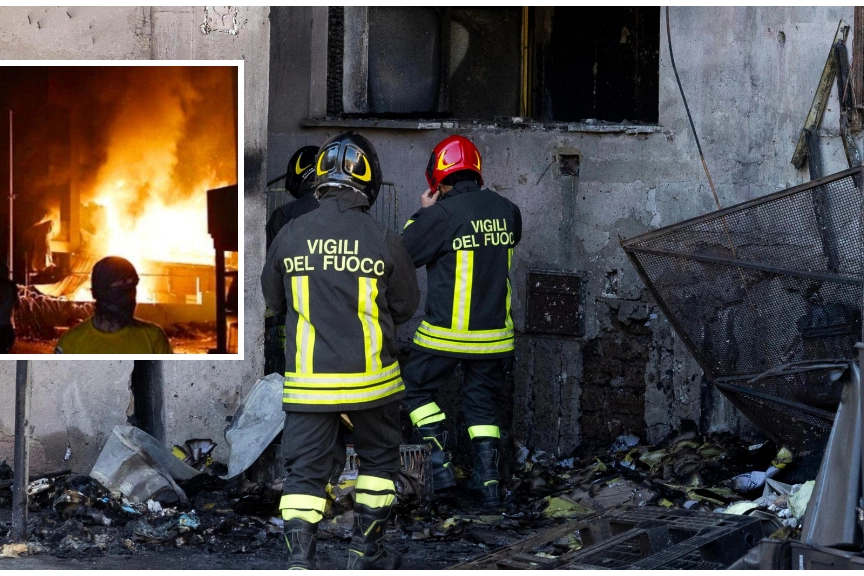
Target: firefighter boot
[(366, 551), (302, 545), (485, 477), (436, 436)]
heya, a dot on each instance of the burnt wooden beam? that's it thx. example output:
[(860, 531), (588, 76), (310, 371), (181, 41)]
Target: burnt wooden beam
[(858, 58), (823, 91), (814, 155)]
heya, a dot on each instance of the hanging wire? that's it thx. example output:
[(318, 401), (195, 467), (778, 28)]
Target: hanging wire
[(687, 108)]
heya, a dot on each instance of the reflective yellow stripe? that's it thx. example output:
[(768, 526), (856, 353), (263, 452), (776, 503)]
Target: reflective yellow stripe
[(374, 483), (307, 515), (302, 502), (484, 431), (329, 397), (508, 320), (367, 311), (366, 484), (467, 347), (374, 500), (303, 506), (464, 335), (408, 223), (424, 411), (355, 380), (462, 289), (305, 337), (430, 419)]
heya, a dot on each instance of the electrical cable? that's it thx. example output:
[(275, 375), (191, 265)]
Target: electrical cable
[(687, 108)]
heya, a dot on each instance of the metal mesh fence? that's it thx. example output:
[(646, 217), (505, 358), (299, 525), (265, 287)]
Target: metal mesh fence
[(764, 283), (772, 281), (794, 406)]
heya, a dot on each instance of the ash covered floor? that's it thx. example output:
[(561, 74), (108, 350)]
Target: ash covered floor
[(75, 523)]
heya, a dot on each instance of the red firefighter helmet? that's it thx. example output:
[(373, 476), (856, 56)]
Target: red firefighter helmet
[(451, 155)]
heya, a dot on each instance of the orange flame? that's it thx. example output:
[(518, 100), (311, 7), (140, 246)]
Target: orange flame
[(160, 162)]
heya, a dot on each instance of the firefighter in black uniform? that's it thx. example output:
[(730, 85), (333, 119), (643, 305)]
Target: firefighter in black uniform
[(464, 235), (343, 281), (300, 182)]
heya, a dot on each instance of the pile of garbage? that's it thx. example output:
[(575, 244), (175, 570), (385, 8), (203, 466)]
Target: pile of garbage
[(718, 473), (141, 495), (83, 516)]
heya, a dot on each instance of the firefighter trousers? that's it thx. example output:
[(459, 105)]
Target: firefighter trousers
[(425, 373), (308, 442)]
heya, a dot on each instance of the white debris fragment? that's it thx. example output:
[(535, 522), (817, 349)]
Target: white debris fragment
[(624, 442), (155, 507)]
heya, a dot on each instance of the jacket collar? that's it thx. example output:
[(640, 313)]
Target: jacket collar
[(461, 188), (345, 197)]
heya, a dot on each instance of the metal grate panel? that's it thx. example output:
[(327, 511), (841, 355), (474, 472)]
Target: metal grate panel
[(555, 303), (764, 283), (768, 282)]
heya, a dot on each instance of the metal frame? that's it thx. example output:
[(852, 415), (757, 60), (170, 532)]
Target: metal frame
[(631, 248)]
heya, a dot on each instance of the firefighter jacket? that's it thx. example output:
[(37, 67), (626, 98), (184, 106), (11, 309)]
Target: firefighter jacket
[(285, 213), (466, 242), (343, 281)]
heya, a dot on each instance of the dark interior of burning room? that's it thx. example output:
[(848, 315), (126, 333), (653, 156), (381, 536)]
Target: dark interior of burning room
[(118, 161)]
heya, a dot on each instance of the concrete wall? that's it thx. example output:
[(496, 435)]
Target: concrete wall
[(76, 404), (749, 75)]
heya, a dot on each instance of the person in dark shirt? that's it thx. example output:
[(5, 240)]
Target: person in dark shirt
[(8, 303)]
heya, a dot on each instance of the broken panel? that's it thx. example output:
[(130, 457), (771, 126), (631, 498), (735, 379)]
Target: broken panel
[(766, 284), (555, 303)]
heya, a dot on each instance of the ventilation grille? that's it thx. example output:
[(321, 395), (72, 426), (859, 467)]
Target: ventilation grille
[(555, 303)]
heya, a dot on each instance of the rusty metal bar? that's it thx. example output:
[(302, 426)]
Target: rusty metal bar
[(858, 57), (823, 91), (824, 414), (814, 155), (739, 207), (751, 266), (22, 449)]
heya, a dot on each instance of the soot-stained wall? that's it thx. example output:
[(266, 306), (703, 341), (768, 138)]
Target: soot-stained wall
[(749, 75)]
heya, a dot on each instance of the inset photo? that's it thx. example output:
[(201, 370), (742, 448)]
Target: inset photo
[(119, 201)]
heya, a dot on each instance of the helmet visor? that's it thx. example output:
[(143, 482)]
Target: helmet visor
[(327, 160), (355, 164)]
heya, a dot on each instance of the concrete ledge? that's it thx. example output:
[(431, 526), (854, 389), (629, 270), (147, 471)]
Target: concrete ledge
[(505, 124)]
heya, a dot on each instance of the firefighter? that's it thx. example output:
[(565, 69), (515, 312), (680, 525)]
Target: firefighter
[(113, 328), (464, 235), (300, 183), (343, 281)]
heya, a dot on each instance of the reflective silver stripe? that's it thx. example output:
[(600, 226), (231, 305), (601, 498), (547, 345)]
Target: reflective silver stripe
[(465, 335), (479, 347), (358, 379), (339, 396)]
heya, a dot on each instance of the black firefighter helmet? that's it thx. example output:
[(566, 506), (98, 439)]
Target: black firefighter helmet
[(301, 167), (349, 159)]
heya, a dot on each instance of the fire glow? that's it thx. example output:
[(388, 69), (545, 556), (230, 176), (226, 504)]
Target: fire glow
[(150, 194)]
